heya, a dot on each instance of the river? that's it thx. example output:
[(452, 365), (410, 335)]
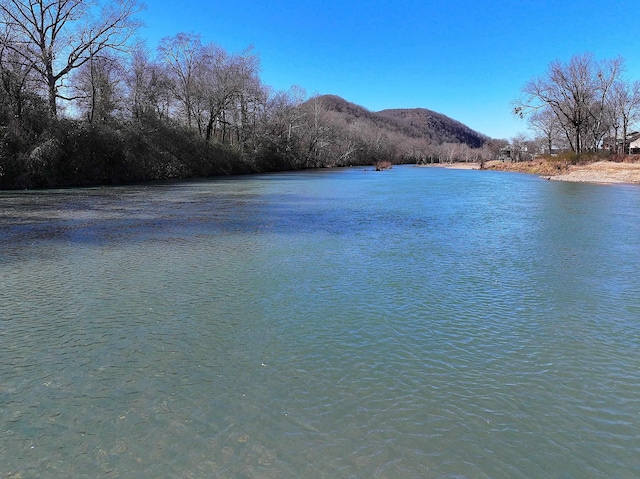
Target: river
[(411, 323)]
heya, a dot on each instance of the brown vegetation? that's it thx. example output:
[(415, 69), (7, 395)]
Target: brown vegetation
[(383, 165), (592, 169), (355, 135)]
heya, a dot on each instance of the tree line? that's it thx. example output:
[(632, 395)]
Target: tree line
[(583, 105), (83, 102)]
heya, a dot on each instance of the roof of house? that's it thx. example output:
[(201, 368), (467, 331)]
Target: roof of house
[(633, 136)]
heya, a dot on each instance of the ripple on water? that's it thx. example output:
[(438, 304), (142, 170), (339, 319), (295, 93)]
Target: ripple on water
[(291, 326)]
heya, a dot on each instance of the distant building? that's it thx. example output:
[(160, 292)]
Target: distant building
[(517, 151), (633, 143), (505, 153)]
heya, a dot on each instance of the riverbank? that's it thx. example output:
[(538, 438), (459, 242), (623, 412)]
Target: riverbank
[(454, 166), (601, 172), (596, 172)]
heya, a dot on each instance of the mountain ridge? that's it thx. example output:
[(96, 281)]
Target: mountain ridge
[(420, 123)]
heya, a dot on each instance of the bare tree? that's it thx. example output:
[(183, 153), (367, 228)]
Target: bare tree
[(283, 122), (15, 79), (227, 92), (450, 152), (314, 132), (97, 84), (624, 103), (606, 74), (250, 94), (546, 124), (58, 36), (181, 54), (148, 87), (576, 93), (214, 88), (521, 148)]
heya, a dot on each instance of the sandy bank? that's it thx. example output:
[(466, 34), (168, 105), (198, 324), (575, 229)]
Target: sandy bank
[(601, 172), (455, 166), (597, 172)]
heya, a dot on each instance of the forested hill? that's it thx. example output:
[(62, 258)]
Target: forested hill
[(417, 123), (439, 128)]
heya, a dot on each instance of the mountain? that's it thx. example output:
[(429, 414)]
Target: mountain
[(414, 123), (423, 123)]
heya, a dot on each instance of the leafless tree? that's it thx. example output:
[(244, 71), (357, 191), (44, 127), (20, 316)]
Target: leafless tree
[(315, 131), (607, 73), (546, 124), (283, 120), (248, 95), (181, 54), (450, 152), (215, 89), (624, 107), (148, 87), (522, 148), (58, 36), (576, 93), (16, 78), (98, 86)]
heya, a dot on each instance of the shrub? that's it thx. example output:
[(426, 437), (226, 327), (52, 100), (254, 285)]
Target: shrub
[(383, 165)]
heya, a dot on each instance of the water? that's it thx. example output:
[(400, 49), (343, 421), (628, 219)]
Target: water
[(414, 323)]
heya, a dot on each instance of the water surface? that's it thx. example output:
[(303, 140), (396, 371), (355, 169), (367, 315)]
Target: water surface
[(416, 322)]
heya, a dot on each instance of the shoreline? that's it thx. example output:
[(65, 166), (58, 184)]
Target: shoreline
[(603, 172), (453, 166), (607, 172)]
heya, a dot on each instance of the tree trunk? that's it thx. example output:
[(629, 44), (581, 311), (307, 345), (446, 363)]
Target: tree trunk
[(52, 95), (209, 130)]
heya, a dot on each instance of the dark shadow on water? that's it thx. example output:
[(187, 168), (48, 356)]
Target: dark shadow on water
[(179, 211)]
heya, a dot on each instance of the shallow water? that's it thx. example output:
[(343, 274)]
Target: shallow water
[(415, 322)]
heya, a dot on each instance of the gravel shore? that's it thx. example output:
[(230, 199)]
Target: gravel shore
[(598, 172), (601, 172)]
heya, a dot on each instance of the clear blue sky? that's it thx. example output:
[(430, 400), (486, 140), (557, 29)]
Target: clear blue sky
[(463, 58)]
